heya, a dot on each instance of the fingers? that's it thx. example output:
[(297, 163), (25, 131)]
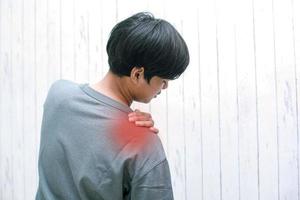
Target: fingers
[(144, 123), (142, 119), (140, 116), (153, 129), (139, 113)]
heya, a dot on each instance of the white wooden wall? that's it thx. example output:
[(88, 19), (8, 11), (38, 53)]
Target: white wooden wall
[(229, 124)]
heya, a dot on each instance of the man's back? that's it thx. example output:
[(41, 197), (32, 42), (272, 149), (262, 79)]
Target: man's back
[(89, 150)]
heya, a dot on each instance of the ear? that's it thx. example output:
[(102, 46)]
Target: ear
[(137, 73)]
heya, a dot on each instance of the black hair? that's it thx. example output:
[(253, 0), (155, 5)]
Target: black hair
[(144, 41)]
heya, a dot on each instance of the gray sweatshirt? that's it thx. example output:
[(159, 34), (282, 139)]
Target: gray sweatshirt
[(89, 150)]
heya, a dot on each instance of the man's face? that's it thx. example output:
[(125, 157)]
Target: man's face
[(147, 91)]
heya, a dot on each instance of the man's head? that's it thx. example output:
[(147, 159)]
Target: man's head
[(149, 51)]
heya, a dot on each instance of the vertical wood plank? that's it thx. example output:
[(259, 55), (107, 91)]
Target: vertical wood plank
[(109, 20), (247, 109), (81, 41), (227, 84), (209, 102), (266, 99), (29, 112), (67, 39), (1, 104), (96, 40), (286, 100), (29, 101), (192, 117), (53, 40), (7, 184), (17, 152), (296, 37)]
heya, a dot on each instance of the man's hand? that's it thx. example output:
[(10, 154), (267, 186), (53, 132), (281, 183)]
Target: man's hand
[(142, 119)]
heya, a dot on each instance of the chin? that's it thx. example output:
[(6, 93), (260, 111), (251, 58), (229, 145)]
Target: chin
[(147, 100), (143, 100)]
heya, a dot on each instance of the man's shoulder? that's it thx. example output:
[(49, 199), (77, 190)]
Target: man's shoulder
[(139, 148), (133, 137), (62, 86), (138, 142), (61, 90)]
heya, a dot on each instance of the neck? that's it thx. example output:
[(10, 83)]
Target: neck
[(113, 86)]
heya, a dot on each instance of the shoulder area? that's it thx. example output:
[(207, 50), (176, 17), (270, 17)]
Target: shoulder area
[(61, 90), (62, 84), (140, 148), (135, 139), (64, 87)]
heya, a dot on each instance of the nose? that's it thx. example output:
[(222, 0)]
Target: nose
[(165, 86)]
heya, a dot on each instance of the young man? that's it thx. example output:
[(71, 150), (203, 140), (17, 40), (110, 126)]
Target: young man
[(89, 149)]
